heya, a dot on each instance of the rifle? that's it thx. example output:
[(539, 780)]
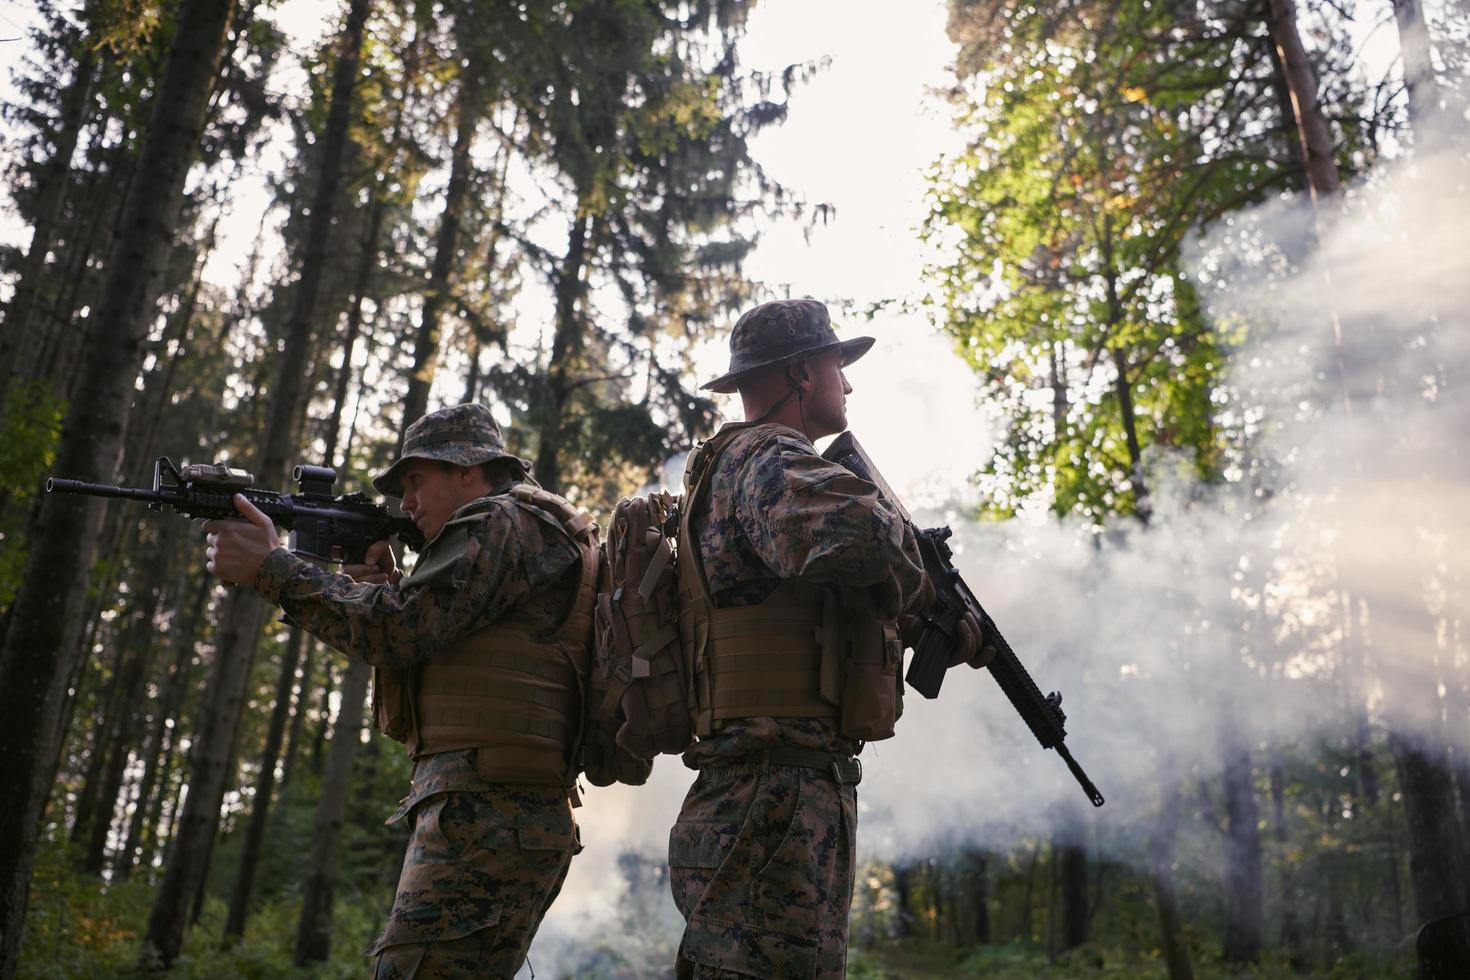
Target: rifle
[(323, 527), (953, 598)]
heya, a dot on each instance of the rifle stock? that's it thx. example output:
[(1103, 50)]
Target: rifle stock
[(1042, 713)]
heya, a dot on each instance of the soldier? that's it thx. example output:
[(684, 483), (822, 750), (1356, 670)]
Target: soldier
[(479, 658), (791, 595)]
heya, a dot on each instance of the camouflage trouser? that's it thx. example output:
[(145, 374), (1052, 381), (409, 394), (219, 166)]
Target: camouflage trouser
[(481, 871), (761, 863)]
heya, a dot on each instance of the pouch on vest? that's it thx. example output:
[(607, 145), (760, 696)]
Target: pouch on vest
[(393, 702), (872, 684)]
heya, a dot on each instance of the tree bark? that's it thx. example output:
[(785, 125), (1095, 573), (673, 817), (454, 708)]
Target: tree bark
[(1245, 889), (446, 245), (1313, 134), (265, 784), (139, 645), (245, 614), (155, 747), (1436, 850), (1419, 76), (19, 337), (903, 875), (298, 714), (1123, 387), (565, 344), (977, 866), (43, 619), (1161, 875), (1072, 860), (1291, 933), (210, 769), (314, 929)]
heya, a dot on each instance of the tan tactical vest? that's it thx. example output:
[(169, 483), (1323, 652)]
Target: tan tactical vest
[(799, 654), (516, 696)]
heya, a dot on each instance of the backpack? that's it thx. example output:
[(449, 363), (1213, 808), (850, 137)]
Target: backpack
[(638, 658)]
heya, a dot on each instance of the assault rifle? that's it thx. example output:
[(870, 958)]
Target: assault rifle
[(323, 527), (953, 598)]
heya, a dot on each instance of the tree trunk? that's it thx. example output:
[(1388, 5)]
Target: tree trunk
[(62, 357), (210, 771), (446, 245), (1291, 933), (155, 748), (40, 647), (109, 698), (245, 613), (1436, 857), (1355, 657), (1161, 874), (1123, 387), (1024, 925), (298, 713), (903, 876), (1419, 76), (1245, 890), (1312, 132), (978, 878), (314, 930), (319, 737), (366, 264), (19, 337), (139, 644), (565, 344), (265, 784), (1072, 860)]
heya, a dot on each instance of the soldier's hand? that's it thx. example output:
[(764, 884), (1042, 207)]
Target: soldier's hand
[(379, 567), (237, 548), (971, 647)]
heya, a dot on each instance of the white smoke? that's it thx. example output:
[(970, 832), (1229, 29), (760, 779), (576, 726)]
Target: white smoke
[(1344, 529)]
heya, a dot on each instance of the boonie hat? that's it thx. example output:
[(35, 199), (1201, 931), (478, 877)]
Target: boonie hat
[(779, 331), (465, 435)]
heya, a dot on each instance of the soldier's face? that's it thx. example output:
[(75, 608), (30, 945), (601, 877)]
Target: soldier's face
[(826, 399), (433, 491)]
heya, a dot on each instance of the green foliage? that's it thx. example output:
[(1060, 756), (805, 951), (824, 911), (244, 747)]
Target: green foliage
[(1100, 141), (78, 931), (1099, 960), (30, 428)]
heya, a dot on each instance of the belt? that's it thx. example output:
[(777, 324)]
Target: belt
[(845, 771)]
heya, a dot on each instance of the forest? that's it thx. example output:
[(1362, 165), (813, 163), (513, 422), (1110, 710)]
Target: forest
[(1193, 274)]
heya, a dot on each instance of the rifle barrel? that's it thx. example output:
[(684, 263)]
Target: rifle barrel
[(1087, 787), (54, 485)]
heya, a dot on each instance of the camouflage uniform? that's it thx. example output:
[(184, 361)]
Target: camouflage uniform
[(485, 859), (762, 855)]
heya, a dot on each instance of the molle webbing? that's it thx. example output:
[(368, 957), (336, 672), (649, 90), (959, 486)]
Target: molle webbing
[(514, 696), (766, 661)]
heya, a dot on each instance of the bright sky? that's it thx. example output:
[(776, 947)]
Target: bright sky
[(859, 136)]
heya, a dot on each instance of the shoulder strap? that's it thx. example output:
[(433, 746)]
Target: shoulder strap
[(575, 522), (575, 631)]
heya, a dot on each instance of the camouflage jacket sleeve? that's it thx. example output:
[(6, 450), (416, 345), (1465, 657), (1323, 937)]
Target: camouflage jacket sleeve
[(494, 565), (810, 518)]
